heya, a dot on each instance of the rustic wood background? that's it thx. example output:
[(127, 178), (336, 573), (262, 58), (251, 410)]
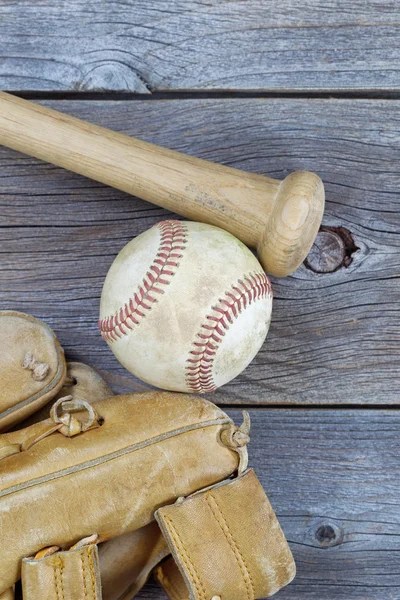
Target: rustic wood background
[(268, 87)]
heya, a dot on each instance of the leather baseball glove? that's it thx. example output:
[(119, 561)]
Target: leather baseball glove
[(91, 474)]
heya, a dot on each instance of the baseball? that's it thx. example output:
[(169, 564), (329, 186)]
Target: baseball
[(185, 306)]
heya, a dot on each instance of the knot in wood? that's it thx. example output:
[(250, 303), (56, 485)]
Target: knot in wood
[(333, 248), (328, 535)]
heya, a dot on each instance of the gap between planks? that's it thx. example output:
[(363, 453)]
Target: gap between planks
[(361, 94)]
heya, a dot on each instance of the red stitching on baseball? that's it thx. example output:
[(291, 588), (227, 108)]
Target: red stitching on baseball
[(199, 376), (172, 243)]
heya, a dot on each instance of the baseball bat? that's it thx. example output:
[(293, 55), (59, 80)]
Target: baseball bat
[(279, 218)]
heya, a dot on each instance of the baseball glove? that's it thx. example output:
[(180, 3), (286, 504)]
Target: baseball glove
[(87, 476)]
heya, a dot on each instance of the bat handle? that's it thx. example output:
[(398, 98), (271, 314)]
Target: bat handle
[(292, 224)]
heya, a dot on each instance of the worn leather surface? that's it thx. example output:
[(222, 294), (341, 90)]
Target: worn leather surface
[(127, 561), (170, 579), (227, 543), (151, 449), (65, 575), (32, 367), (82, 382)]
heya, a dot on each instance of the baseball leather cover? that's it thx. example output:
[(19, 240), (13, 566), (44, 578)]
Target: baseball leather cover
[(32, 367)]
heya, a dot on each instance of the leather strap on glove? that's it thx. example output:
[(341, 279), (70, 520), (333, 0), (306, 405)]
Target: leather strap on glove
[(226, 542), (58, 575)]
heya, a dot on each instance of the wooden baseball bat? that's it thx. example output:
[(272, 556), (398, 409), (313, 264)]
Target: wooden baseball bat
[(279, 218)]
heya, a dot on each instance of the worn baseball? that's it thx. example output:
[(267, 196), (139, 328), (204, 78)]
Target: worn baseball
[(185, 306)]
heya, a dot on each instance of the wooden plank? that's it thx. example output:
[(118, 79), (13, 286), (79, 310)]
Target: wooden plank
[(332, 477), (156, 45), (334, 337)]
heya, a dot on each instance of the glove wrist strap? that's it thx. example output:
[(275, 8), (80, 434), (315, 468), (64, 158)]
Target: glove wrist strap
[(226, 543)]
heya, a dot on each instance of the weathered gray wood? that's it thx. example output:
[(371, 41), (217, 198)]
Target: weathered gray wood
[(334, 473), (153, 45), (334, 336)]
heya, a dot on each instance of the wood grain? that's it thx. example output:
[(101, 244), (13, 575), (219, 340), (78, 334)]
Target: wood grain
[(330, 471), (334, 336), (155, 45)]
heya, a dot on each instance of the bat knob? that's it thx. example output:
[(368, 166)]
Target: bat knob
[(293, 223)]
